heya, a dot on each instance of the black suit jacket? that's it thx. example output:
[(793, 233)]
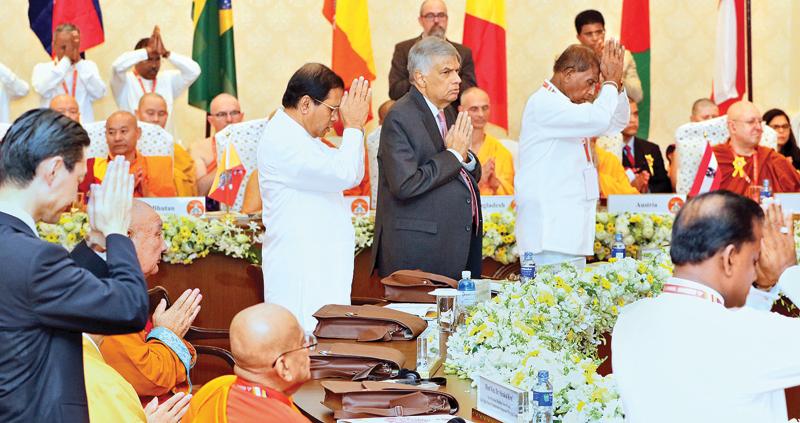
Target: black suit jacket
[(399, 82), (47, 302), (86, 258), (424, 213), (659, 180)]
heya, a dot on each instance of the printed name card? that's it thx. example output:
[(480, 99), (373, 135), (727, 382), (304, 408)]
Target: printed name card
[(502, 401), (496, 203), (359, 205), (646, 203), (790, 201), (180, 206)]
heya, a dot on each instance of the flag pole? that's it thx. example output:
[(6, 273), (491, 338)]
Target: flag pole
[(749, 52)]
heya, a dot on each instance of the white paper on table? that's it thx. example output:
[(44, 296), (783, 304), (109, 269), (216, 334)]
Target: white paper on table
[(413, 308), (437, 418)]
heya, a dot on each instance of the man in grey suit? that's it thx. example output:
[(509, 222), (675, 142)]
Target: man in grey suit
[(433, 19), (428, 214)]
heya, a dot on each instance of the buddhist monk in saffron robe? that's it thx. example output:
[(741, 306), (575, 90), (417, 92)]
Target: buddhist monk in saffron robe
[(744, 164), (153, 173), (271, 354)]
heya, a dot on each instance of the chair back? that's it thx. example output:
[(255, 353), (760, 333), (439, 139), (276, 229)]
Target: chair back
[(612, 144), (245, 137), (155, 140)]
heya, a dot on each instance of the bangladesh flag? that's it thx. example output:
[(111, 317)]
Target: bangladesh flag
[(213, 50), (635, 36)]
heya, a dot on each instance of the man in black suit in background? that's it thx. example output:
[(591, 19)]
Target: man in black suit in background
[(428, 214), (47, 300), (433, 19), (642, 159)]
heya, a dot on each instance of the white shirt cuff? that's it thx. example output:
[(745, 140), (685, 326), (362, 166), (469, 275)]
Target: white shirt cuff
[(761, 300), (631, 174)]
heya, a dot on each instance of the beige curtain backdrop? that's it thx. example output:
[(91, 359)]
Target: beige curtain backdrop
[(275, 37)]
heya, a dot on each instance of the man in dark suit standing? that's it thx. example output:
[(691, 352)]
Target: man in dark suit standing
[(433, 19), (642, 159), (47, 300), (428, 214)]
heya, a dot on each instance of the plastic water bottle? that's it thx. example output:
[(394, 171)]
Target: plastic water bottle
[(527, 270), (766, 191), (543, 398), (618, 247), (466, 286)]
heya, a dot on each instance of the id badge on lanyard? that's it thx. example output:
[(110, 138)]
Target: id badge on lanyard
[(590, 180)]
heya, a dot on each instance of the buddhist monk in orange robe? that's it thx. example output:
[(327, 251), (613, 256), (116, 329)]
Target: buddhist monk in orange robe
[(155, 361), (154, 174), (271, 354), (744, 164)]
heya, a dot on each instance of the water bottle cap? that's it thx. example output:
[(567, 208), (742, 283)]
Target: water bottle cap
[(766, 182), (543, 374), (618, 237), (527, 255), (466, 274)]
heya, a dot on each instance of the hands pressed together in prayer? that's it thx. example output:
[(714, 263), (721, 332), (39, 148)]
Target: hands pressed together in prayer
[(110, 203), (354, 108), (641, 181), (459, 136), (611, 62), (180, 315), (155, 46), (170, 411), (489, 177), (72, 50), (777, 247)]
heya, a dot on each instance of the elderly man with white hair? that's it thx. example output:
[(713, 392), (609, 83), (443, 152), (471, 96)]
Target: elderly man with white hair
[(428, 194)]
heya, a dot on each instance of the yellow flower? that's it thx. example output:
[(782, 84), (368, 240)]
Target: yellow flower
[(605, 283), (532, 354), (477, 329), (517, 379), (598, 227), (610, 227), (599, 394), (657, 219), (598, 246), (523, 327), (580, 406), (71, 238), (636, 218), (547, 298)]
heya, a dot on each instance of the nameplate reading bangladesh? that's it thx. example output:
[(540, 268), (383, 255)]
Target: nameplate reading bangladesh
[(496, 203), (646, 203), (179, 206)]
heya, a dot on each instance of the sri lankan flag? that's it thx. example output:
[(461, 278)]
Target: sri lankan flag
[(213, 50), (229, 177), (635, 36), (485, 34), (352, 43)]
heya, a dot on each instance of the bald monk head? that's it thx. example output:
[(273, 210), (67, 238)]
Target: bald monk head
[(145, 232), (225, 110), (744, 126), (703, 109), (716, 240), (122, 135), (475, 102), (67, 106), (152, 109), (270, 348)]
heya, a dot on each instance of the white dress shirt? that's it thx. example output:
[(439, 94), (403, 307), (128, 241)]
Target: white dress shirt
[(679, 358), (11, 87), (170, 83), (50, 79), (469, 165)]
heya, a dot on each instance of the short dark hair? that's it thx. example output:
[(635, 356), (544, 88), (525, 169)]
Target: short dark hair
[(578, 57), (36, 136), (142, 43), (710, 222), (312, 79), (588, 17)]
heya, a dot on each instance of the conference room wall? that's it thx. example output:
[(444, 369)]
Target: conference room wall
[(273, 38)]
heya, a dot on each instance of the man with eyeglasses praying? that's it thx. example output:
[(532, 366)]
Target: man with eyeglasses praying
[(310, 241), (433, 20), (153, 109), (225, 110), (271, 353), (744, 164), (137, 72)]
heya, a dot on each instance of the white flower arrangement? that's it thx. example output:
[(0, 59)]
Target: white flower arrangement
[(365, 231), (555, 323), (499, 239), (639, 230)]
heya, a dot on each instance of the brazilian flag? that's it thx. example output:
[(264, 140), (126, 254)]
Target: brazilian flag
[(213, 50)]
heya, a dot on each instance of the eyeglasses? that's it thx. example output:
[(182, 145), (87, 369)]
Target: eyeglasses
[(780, 127), (332, 108), (431, 16), (309, 342), (223, 115)]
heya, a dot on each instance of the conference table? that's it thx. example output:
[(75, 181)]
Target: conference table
[(230, 285)]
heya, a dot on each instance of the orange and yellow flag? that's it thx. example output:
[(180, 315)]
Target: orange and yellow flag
[(485, 34)]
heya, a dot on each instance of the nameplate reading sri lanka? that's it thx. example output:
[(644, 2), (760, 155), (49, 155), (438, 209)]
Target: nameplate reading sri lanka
[(646, 203)]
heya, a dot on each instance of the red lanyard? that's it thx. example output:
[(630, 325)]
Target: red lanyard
[(692, 292), (74, 82), (141, 84), (586, 150)]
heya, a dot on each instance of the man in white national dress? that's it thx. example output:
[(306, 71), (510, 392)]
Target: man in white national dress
[(309, 241), (556, 184), (691, 354)]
